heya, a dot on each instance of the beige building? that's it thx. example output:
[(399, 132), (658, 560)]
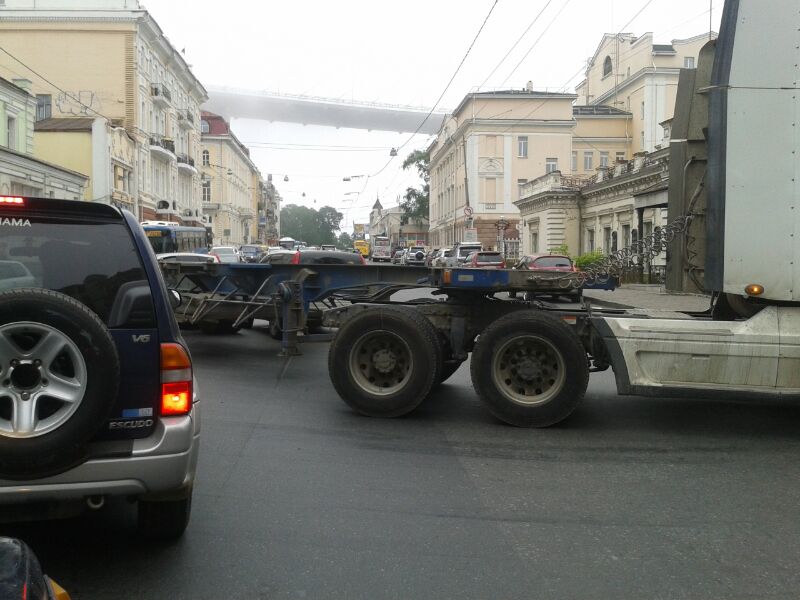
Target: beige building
[(605, 212), (107, 153), (495, 142), (231, 183), (392, 223), (21, 173), (110, 59), (269, 229), (635, 75)]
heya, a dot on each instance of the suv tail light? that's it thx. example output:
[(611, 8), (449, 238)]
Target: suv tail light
[(296, 258), (176, 380), (16, 200)]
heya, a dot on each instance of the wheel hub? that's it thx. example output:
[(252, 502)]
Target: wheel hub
[(528, 370), (384, 360), (26, 376)]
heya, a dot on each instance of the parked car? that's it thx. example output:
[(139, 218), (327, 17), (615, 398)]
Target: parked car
[(414, 256), (462, 250), (550, 262), (486, 260), (440, 259), (397, 257), (99, 397), (316, 257), (250, 253), (187, 257), (14, 274), (225, 254)]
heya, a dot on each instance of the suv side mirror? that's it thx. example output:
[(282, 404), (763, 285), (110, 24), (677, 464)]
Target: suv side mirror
[(175, 298)]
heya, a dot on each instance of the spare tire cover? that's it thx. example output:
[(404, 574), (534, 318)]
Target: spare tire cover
[(59, 374)]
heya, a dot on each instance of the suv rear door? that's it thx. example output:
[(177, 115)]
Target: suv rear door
[(88, 253)]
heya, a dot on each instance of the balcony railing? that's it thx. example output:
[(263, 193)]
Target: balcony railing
[(185, 160), (160, 91), (162, 143), (185, 118)]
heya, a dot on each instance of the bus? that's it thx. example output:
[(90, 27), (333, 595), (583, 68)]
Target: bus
[(381, 249), (165, 236), (363, 247)]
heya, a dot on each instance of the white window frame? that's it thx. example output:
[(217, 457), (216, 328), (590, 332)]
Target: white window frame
[(588, 160), (550, 165), (603, 158), (522, 146)]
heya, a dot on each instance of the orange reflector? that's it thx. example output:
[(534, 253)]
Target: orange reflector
[(174, 356), (754, 289), (448, 276), (11, 200), (176, 398)]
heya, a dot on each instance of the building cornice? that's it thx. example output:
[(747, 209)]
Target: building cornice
[(626, 83), (549, 199)]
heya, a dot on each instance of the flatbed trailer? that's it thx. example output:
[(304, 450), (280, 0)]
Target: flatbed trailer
[(531, 360), (729, 235)]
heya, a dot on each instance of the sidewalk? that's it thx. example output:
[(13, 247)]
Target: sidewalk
[(650, 297)]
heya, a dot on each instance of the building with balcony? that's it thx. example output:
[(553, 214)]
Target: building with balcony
[(495, 142), (641, 77), (113, 62), (21, 171), (232, 185), (606, 212)]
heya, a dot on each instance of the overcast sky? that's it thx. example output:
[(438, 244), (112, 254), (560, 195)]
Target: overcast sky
[(392, 52)]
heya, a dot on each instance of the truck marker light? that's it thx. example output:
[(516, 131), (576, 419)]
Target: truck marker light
[(754, 289)]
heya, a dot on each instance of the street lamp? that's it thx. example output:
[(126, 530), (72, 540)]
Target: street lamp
[(501, 224)]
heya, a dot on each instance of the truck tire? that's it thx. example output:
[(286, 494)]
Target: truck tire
[(530, 369), (384, 361), (59, 374)]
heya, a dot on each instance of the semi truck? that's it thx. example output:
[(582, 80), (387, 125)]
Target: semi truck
[(733, 233)]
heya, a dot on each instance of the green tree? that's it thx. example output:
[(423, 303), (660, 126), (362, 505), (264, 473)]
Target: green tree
[(309, 225), (416, 202), (345, 241)]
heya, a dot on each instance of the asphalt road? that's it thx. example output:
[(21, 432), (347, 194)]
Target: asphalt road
[(297, 497)]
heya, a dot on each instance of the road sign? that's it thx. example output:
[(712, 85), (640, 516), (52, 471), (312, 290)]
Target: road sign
[(468, 211)]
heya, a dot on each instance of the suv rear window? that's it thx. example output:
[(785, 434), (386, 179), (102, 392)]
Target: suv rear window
[(94, 262), (552, 261), (487, 257)]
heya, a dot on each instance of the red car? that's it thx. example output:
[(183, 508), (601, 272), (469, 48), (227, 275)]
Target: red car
[(549, 262), (485, 260)]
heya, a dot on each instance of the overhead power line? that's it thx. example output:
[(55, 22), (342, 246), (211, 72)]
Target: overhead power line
[(519, 39), (436, 104), (541, 35), (633, 18)]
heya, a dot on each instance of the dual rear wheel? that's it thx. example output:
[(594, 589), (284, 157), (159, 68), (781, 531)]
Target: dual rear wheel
[(529, 368)]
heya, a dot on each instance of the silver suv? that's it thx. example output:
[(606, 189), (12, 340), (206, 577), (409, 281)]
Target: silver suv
[(97, 395)]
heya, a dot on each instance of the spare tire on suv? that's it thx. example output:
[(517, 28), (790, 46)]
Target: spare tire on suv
[(59, 374)]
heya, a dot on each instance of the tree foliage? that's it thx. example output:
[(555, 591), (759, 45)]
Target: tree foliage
[(315, 227), (416, 201), (345, 241)]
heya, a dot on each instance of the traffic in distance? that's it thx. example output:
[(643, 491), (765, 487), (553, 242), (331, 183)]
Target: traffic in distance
[(448, 402)]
